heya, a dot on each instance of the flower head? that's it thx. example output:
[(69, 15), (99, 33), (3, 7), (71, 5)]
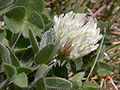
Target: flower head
[(78, 36)]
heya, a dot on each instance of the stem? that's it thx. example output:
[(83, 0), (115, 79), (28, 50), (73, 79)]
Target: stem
[(96, 59), (19, 50), (14, 40)]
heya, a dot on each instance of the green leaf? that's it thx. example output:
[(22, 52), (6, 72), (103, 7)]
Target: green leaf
[(17, 13), (78, 77), (5, 54), (14, 59), (41, 72), (36, 19), (24, 69), (33, 41), (103, 72), (23, 43), (44, 54), (76, 86), (2, 35), (14, 19), (5, 42), (27, 58), (31, 5), (77, 80), (61, 71), (10, 70), (40, 84), (47, 39), (77, 7), (46, 18), (21, 80), (27, 25), (79, 10), (54, 82), (77, 63), (90, 86), (39, 77), (35, 22), (5, 5), (104, 69), (102, 24)]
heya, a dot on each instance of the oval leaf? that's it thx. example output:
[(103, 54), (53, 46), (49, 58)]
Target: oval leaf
[(40, 84), (90, 86), (2, 35), (54, 82), (21, 80), (36, 19), (5, 54), (24, 69), (104, 69), (78, 77), (14, 19), (47, 39), (35, 22), (31, 5), (14, 58), (41, 72), (33, 41), (44, 55), (10, 70), (27, 58), (77, 63)]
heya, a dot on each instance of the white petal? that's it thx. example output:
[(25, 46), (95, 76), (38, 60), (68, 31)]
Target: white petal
[(72, 27)]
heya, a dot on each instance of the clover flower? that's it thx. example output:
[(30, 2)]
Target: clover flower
[(77, 35)]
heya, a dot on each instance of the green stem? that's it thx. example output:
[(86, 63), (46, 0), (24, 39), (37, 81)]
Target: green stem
[(14, 40), (19, 50), (96, 59)]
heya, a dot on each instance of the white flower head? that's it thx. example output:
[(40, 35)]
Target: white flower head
[(78, 36)]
